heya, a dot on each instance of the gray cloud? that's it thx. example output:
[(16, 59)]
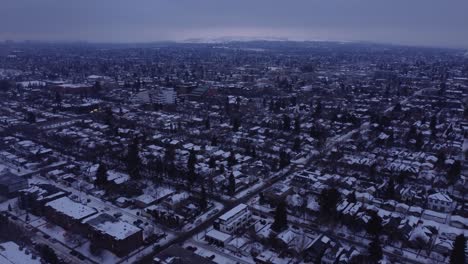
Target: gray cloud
[(422, 22)]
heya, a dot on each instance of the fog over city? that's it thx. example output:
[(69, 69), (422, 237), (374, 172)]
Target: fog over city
[(417, 22)]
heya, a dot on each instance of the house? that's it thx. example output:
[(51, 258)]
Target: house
[(304, 178), (236, 218), (144, 200), (277, 192), (35, 197), (348, 255), (420, 237), (434, 216), (318, 247), (122, 202), (237, 245), (440, 202), (175, 200), (108, 232), (331, 254), (286, 238), (391, 224), (217, 237), (402, 208), (270, 257), (415, 211), (11, 183), (443, 245), (164, 216), (459, 222)]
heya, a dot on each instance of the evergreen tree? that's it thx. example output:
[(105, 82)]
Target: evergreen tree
[(442, 88), (101, 175), (297, 125), (390, 191), (433, 123), (203, 198), (458, 254), (9, 208), (281, 218), (133, 160), (227, 106), (318, 108), (58, 98), (352, 197), (247, 150), (192, 160), (214, 141), (108, 116), (454, 172), (31, 117), (171, 170), (297, 144), (5, 85), (374, 226), (274, 164), (261, 199), (401, 177), (441, 158), (48, 254), (286, 122), (232, 159), (169, 154), (207, 124), (391, 138), (212, 162), (328, 199), (284, 159), (235, 124), (232, 184), (375, 250), (97, 87), (419, 141), (373, 170)]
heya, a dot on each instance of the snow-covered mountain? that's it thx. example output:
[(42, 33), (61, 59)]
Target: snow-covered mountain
[(233, 39)]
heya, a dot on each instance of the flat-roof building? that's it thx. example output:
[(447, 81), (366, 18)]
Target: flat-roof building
[(234, 219)]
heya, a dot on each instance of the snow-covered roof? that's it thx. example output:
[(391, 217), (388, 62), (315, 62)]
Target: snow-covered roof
[(10, 252), (440, 197), (73, 85), (233, 212), (70, 208), (116, 228), (218, 235), (287, 236)]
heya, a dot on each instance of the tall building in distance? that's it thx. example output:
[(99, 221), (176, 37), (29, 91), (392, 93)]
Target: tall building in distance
[(159, 95)]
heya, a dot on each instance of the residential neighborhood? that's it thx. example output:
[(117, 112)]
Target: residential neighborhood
[(235, 152)]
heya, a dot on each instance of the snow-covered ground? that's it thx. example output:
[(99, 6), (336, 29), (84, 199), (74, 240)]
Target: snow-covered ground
[(221, 255)]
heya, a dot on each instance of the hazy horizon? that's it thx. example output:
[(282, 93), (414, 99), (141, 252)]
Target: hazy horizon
[(416, 23)]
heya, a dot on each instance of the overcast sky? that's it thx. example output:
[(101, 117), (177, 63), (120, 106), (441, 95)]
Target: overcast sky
[(415, 22)]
